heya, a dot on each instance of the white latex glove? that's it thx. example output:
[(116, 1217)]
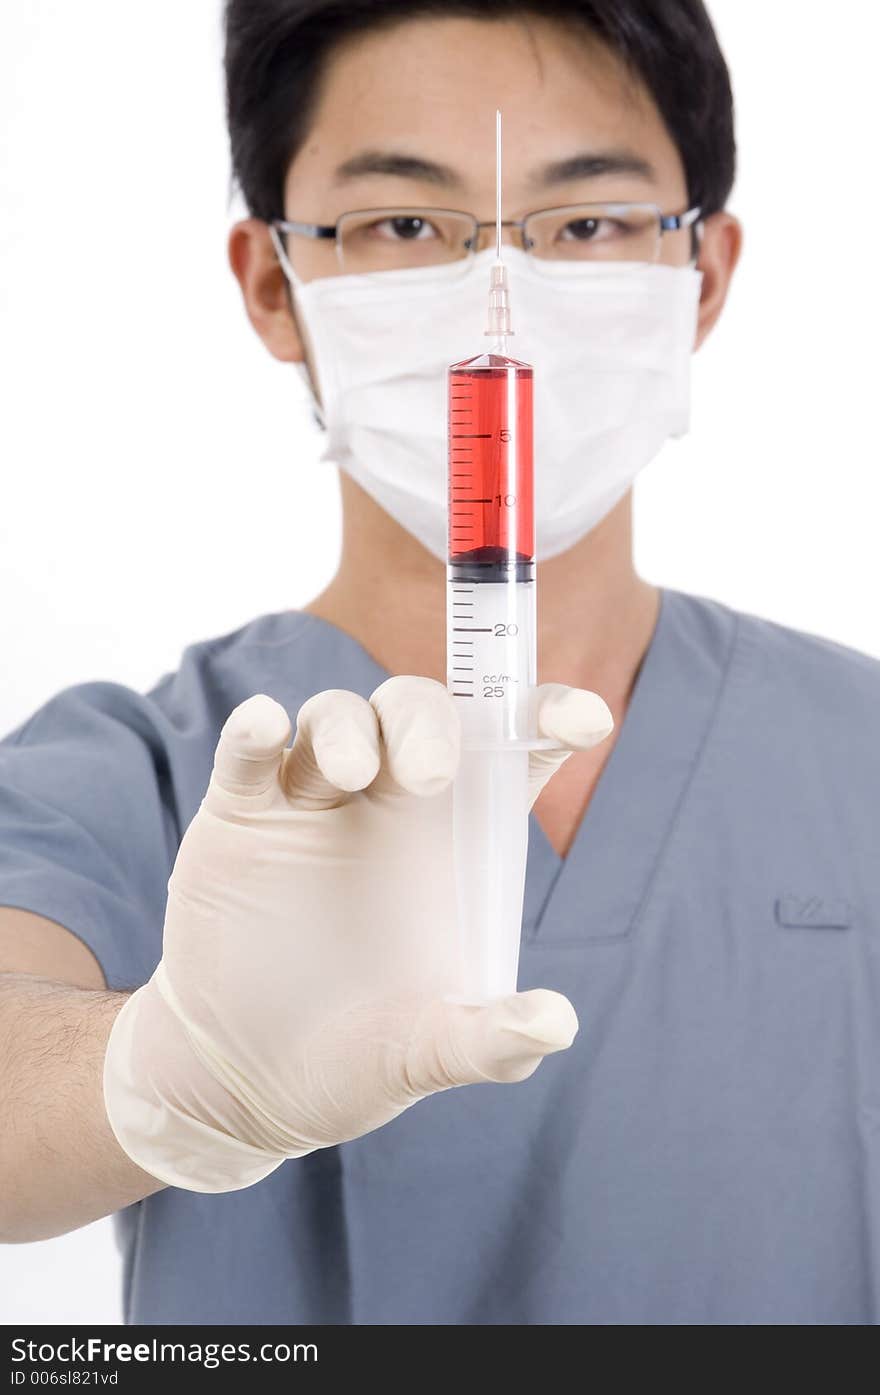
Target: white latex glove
[(310, 941)]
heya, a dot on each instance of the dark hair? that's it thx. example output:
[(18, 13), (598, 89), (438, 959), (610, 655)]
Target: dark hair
[(276, 50)]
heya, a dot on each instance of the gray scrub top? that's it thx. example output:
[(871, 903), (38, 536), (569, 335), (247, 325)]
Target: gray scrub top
[(708, 1150)]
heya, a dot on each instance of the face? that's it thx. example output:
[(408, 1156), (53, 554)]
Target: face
[(406, 116)]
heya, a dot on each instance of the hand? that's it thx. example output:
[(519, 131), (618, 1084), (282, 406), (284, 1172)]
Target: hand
[(310, 941)]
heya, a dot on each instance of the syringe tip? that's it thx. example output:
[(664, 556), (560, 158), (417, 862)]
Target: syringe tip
[(498, 275), (499, 301)]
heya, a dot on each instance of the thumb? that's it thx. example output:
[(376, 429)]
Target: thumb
[(575, 719), (506, 1040)]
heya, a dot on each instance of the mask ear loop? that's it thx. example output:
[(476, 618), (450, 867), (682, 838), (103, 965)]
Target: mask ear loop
[(293, 282)]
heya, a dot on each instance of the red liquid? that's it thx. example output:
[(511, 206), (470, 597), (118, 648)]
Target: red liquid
[(491, 481)]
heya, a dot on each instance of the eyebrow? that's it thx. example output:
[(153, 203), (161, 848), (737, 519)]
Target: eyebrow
[(589, 165), (586, 165), (403, 166)]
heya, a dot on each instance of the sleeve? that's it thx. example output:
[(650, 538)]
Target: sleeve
[(88, 827)]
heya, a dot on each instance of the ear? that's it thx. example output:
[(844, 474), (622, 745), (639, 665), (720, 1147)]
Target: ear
[(263, 285), (720, 248)]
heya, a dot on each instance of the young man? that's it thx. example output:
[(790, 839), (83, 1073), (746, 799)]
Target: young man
[(703, 890)]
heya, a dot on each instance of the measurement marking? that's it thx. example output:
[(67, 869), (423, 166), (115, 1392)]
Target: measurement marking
[(470, 501), (474, 629), (472, 435), (456, 693)]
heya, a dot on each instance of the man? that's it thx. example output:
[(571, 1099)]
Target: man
[(702, 887)]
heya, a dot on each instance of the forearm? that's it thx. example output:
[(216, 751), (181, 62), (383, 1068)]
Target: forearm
[(60, 1164)]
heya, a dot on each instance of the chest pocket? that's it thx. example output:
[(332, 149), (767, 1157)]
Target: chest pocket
[(813, 913)]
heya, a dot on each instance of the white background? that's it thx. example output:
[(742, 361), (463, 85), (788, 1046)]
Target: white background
[(159, 477)]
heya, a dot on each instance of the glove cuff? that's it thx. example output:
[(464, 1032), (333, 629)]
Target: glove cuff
[(167, 1111)]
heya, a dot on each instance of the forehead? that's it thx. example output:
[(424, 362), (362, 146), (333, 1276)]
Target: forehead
[(430, 87)]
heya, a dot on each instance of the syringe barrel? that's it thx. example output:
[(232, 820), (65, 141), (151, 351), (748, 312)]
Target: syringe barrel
[(491, 569), (491, 659), (491, 470)]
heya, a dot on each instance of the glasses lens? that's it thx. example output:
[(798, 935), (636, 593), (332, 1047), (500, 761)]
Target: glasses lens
[(594, 232), (391, 239)]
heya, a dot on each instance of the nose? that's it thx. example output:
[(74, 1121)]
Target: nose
[(511, 235)]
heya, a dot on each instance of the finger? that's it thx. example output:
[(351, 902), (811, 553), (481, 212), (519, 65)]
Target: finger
[(335, 751), (506, 1040), (249, 750), (574, 717), (421, 736)]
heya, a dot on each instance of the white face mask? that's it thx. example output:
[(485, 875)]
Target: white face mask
[(610, 343)]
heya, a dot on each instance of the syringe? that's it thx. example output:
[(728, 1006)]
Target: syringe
[(491, 645)]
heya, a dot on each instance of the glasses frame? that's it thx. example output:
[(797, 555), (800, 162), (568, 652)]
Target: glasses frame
[(666, 222)]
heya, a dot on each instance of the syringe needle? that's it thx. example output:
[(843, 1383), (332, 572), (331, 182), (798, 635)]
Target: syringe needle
[(498, 185)]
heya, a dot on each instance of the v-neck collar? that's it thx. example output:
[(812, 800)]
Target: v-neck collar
[(595, 892)]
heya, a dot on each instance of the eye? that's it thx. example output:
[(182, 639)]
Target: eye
[(588, 230), (403, 228)]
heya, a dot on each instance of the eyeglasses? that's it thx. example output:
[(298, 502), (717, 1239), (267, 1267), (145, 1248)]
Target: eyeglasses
[(386, 239)]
